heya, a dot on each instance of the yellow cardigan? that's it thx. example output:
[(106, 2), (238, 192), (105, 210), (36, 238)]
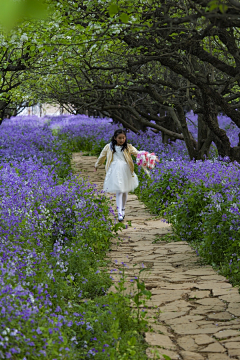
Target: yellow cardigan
[(107, 152)]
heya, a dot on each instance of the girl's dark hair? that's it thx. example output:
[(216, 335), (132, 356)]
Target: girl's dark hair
[(114, 142)]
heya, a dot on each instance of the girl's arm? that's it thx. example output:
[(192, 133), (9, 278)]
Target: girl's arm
[(133, 150), (102, 157)]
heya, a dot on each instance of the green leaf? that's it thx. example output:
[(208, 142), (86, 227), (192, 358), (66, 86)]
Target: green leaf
[(124, 17), (132, 341), (113, 9), (213, 5), (166, 357), (223, 8), (141, 286), (147, 293)]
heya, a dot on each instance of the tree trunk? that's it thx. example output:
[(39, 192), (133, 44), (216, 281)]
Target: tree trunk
[(204, 139), (219, 135), (188, 138), (3, 106), (166, 139)]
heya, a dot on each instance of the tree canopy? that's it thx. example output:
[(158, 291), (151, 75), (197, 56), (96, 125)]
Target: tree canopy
[(144, 63)]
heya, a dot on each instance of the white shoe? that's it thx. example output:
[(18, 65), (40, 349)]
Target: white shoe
[(120, 217), (123, 213)]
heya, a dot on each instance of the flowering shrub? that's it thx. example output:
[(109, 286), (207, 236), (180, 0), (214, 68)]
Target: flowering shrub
[(55, 232)]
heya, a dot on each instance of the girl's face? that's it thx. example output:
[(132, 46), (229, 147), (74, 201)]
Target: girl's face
[(120, 139)]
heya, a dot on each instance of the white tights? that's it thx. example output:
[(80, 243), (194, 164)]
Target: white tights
[(121, 199)]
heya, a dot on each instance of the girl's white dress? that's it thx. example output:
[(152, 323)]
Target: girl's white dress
[(119, 177)]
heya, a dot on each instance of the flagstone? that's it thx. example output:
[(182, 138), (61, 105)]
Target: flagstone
[(203, 339), (182, 329), (233, 339), (186, 319), (220, 316), (216, 277), (207, 310), (218, 357), (227, 333), (143, 246), (232, 345), (217, 286), (203, 323), (176, 278), (234, 308), (132, 216), (216, 348), (234, 352), (232, 297), (177, 258), (188, 355), (193, 329), (178, 244), (216, 291), (206, 270), (169, 293), (164, 267), (120, 258), (144, 259), (160, 340), (160, 251), (199, 294), (179, 249), (213, 302), (160, 328), (166, 316), (187, 343), (175, 307), (183, 286)]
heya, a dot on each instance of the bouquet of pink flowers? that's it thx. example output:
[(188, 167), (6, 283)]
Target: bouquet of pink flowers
[(146, 160)]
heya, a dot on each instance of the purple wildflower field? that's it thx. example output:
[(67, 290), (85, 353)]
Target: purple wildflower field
[(48, 266)]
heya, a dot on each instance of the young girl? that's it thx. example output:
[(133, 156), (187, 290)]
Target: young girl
[(120, 176)]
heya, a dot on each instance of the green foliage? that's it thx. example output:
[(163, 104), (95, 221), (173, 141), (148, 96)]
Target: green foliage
[(218, 4), (88, 145), (113, 9), (185, 213), (162, 193)]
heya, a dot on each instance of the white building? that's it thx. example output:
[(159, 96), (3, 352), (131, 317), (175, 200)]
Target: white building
[(44, 109)]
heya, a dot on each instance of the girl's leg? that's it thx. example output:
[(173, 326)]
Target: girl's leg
[(119, 201), (124, 200)]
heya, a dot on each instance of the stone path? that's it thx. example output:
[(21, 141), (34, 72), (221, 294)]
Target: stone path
[(194, 313)]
